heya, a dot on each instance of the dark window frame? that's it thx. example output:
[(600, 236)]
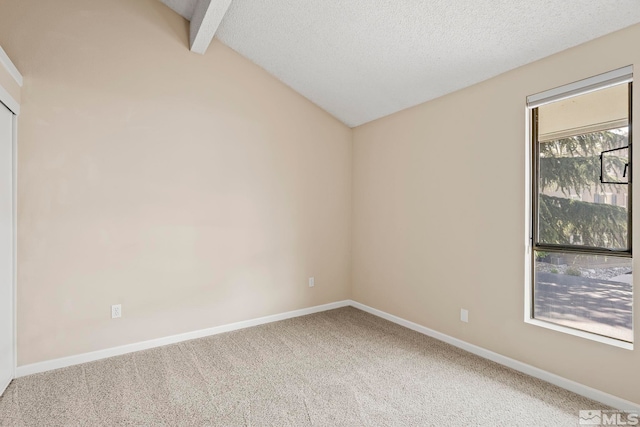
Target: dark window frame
[(591, 250)]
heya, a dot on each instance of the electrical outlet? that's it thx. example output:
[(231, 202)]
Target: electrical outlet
[(312, 282), (464, 315), (116, 311)]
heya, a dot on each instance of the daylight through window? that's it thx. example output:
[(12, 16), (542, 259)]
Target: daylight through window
[(581, 210)]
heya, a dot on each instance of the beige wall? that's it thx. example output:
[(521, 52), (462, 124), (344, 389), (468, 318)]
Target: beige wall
[(8, 83), (194, 190), (439, 217), (198, 191)]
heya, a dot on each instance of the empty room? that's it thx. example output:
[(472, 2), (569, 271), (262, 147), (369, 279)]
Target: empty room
[(318, 213)]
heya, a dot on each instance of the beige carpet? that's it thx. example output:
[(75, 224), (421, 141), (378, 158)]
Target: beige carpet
[(338, 368)]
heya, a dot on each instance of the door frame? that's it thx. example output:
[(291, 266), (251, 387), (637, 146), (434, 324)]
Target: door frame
[(14, 107), (14, 254), (13, 291)]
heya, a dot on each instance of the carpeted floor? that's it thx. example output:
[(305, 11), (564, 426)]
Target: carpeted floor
[(337, 368)]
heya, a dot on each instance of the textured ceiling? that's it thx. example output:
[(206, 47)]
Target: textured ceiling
[(183, 7), (364, 59)]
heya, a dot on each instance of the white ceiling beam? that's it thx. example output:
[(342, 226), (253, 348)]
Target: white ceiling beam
[(205, 22)]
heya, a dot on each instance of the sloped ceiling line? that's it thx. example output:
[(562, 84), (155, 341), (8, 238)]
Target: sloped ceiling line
[(361, 60)]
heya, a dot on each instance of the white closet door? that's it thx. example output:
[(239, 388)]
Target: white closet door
[(6, 249)]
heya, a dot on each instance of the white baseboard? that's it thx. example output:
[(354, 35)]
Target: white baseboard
[(581, 389), (64, 362)]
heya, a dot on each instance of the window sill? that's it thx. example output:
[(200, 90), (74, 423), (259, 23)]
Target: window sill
[(582, 334)]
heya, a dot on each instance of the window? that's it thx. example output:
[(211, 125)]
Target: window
[(599, 198), (580, 237)]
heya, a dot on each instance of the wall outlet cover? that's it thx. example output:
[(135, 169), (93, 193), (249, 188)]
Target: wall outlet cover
[(116, 311)]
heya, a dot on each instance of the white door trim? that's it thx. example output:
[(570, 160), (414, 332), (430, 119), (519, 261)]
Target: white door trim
[(9, 101), (13, 105), (15, 243), (10, 67), (4, 382), (5, 96)]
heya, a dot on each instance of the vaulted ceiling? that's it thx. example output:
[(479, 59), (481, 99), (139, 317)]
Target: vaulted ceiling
[(364, 59)]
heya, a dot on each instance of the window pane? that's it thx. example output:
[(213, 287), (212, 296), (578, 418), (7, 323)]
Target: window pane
[(592, 293), (574, 207)]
